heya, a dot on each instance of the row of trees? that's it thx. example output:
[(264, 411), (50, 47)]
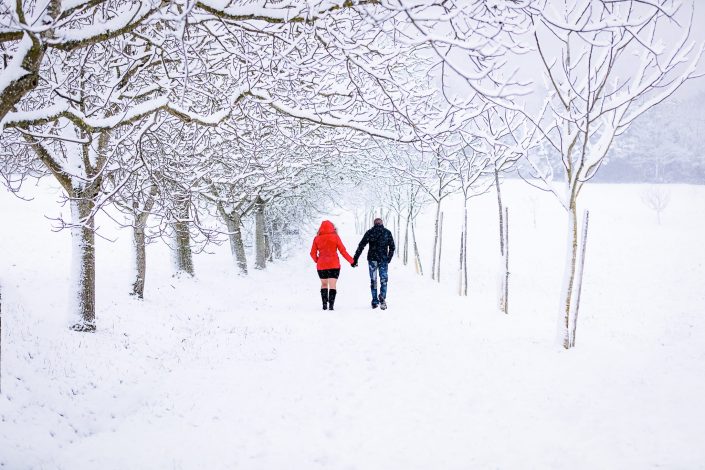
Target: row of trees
[(176, 112), (603, 65), (158, 106)]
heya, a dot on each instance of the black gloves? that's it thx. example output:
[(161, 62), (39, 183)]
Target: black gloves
[(354, 264)]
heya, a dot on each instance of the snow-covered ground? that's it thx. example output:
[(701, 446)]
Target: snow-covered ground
[(248, 373)]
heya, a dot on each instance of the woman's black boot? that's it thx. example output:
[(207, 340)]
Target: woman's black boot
[(324, 298), (331, 298)]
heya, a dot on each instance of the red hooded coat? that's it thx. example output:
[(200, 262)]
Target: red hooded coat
[(326, 246)]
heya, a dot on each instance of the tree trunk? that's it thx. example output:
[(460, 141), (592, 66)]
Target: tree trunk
[(83, 238), (276, 239), (567, 305), (140, 260), (435, 240), (268, 247), (460, 265), (184, 256), (505, 291), (417, 257), (440, 248), (501, 283), (405, 258), (237, 246), (398, 227), (464, 251), (139, 239), (579, 281), (260, 241), (500, 212)]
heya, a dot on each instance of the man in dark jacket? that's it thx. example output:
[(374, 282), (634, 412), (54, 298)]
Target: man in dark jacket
[(379, 255)]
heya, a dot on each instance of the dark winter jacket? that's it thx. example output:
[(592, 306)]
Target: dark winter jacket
[(381, 244), (326, 246)]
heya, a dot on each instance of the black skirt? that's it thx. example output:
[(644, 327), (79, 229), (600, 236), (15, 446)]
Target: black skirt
[(329, 273)]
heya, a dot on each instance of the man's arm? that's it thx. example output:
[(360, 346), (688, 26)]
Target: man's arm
[(365, 240), (391, 247)]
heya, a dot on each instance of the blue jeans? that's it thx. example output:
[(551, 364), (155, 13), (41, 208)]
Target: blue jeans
[(380, 266)]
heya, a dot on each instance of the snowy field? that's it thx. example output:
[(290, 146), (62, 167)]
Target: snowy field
[(248, 373)]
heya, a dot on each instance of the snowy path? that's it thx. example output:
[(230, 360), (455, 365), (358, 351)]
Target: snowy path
[(290, 386), (222, 372)]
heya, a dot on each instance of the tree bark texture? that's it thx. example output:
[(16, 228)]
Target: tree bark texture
[(276, 239), (269, 253), (569, 278), (460, 264), (398, 227), (581, 269), (260, 241), (21, 86), (505, 290), (464, 251), (184, 256), (84, 255), (138, 236), (440, 248), (435, 240), (500, 212), (237, 246), (405, 258), (139, 240), (417, 256)]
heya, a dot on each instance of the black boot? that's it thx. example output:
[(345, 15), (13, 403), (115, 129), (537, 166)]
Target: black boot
[(382, 303), (331, 298), (324, 298)]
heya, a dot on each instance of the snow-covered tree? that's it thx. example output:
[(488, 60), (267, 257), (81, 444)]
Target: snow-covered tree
[(79, 76), (604, 65), (470, 168)]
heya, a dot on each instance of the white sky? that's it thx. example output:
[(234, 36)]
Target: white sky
[(528, 69)]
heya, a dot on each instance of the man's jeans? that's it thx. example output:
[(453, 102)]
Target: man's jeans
[(382, 267)]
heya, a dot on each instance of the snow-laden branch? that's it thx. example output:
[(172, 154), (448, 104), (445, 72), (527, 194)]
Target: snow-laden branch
[(14, 71), (21, 74), (326, 120), (126, 19), (281, 12), (587, 23), (130, 115)]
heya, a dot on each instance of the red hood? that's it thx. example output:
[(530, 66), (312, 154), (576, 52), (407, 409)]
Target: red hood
[(326, 227)]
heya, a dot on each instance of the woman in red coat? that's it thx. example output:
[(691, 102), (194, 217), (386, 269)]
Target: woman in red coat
[(325, 253)]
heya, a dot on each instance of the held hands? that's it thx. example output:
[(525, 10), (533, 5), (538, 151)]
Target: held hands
[(353, 264)]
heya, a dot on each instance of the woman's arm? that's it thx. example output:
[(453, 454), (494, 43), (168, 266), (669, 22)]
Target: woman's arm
[(343, 251), (314, 251)]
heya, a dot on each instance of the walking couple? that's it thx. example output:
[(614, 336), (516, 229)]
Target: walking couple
[(325, 250)]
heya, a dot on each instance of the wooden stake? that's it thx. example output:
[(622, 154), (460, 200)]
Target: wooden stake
[(506, 260), (0, 339), (581, 268), (440, 248)]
